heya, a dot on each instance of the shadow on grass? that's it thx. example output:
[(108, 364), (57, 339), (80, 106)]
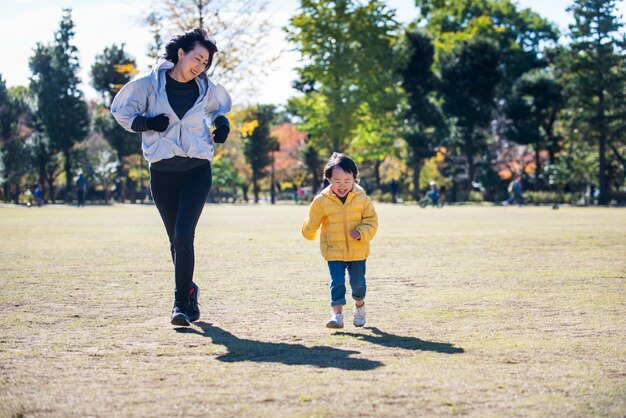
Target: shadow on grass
[(240, 349), (408, 343)]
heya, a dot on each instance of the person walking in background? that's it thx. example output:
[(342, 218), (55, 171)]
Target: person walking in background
[(81, 189), (38, 195), (349, 222), (433, 194), (394, 187), (515, 191), (174, 107)]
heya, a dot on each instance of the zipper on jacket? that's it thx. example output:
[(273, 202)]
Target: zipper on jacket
[(345, 230)]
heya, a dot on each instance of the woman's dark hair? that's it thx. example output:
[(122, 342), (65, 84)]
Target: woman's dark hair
[(342, 161), (188, 41)]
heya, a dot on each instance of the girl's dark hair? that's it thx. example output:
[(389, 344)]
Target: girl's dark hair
[(342, 161), (188, 41)]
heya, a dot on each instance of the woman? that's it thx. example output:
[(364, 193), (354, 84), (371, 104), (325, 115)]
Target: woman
[(173, 107)]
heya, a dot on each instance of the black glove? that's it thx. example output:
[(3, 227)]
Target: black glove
[(222, 129), (158, 123)]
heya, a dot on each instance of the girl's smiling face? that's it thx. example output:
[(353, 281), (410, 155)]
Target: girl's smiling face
[(341, 182)]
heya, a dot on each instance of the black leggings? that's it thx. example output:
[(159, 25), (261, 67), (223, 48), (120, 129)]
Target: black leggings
[(180, 198)]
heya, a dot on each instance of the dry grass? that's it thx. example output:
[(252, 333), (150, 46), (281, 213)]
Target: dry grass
[(477, 311)]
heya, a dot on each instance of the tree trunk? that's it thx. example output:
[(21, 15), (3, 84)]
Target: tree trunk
[(377, 173), (121, 175), (537, 166), (51, 189), (470, 171), (255, 188), (604, 195), (417, 167), (68, 176)]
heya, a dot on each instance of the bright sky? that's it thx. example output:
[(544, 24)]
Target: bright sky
[(100, 23)]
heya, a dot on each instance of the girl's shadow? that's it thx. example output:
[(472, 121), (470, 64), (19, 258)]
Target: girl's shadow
[(408, 343), (240, 349)]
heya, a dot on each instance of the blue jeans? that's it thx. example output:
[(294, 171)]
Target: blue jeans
[(356, 272)]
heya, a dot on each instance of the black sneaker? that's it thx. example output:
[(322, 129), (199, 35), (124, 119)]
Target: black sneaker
[(193, 312), (179, 316)]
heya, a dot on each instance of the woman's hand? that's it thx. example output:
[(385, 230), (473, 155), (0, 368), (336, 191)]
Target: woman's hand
[(158, 123), (355, 235), (222, 129)]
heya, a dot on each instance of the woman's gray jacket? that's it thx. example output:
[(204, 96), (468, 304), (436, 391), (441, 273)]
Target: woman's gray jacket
[(187, 137)]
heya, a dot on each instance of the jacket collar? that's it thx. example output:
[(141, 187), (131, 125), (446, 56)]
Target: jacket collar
[(157, 76), (356, 190)]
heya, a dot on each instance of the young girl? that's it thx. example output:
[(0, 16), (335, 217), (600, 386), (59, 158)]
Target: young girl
[(174, 107), (349, 222)]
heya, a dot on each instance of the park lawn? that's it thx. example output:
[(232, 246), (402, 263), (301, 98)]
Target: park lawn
[(477, 311)]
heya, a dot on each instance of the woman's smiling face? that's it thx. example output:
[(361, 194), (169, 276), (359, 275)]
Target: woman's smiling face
[(341, 182), (193, 63)]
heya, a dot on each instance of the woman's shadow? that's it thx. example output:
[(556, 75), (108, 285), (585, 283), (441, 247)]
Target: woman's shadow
[(241, 349), (408, 343)]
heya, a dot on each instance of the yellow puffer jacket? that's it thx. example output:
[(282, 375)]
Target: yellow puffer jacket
[(338, 220)]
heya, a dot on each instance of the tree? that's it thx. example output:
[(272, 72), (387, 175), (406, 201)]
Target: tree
[(424, 120), (595, 79), (349, 74), (470, 76), (112, 69), (15, 128), (289, 168), (259, 144), (60, 103), (533, 108), (520, 34), (311, 160), (241, 28)]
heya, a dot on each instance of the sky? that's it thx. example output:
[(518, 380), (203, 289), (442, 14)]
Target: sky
[(99, 24)]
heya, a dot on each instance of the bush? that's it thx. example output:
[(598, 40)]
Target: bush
[(475, 197), (379, 196), (539, 198)]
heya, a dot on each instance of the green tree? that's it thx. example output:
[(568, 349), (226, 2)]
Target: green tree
[(259, 144), (350, 73), (424, 121), (111, 70), (470, 76), (520, 34), (15, 121), (533, 108), (60, 103), (594, 79)]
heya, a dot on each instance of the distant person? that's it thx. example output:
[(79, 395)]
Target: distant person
[(175, 107), (349, 222), (117, 194), (38, 195), (81, 189), (394, 187), (515, 191), (28, 197), (433, 193)]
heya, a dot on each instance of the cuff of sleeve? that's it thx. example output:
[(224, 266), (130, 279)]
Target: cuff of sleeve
[(140, 124)]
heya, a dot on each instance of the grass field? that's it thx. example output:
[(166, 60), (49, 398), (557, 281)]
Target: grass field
[(472, 311)]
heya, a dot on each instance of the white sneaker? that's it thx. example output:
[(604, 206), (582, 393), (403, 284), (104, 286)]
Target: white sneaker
[(336, 321), (359, 316)]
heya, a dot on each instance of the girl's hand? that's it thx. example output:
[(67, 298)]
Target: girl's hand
[(355, 235)]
